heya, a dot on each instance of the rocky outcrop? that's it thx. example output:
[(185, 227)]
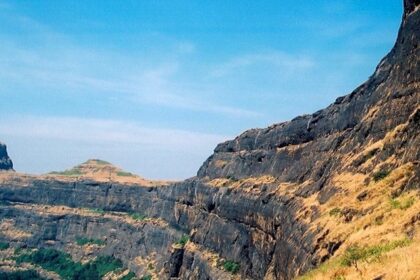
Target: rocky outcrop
[(410, 6), (257, 200), (5, 161)]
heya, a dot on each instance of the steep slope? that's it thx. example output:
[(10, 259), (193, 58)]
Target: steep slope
[(335, 193), (5, 161)]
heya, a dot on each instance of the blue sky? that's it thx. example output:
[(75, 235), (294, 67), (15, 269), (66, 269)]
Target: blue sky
[(153, 86)]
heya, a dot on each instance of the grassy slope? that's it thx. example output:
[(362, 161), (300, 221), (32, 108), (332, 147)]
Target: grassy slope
[(383, 227)]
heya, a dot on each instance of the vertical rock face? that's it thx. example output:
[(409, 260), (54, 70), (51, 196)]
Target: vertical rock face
[(410, 6), (5, 161)]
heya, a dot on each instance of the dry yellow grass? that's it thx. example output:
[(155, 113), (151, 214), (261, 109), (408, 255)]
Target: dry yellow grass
[(8, 230), (149, 266), (379, 219), (212, 259), (250, 184)]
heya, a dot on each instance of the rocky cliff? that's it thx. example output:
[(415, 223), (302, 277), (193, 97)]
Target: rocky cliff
[(5, 161), (273, 203)]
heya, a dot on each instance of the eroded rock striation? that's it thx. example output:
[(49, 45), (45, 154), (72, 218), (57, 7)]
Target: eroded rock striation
[(277, 201)]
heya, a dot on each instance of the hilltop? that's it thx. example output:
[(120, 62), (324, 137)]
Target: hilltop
[(102, 171)]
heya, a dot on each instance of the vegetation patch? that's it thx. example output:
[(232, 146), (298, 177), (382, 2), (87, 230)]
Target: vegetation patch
[(402, 204), (97, 211), (231, 267), (18, 251), (83, 241), (182, 241), (146, 277), (335, 212), (125, 174), (63, 265), (355, 254), (128, 276), (69, 172), (4, 246), (138, 216), (100, 162), (381, 174), (21, 275)]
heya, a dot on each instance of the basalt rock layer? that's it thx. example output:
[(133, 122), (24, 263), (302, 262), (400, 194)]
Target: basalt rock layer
[(5, 161), (276, 202)]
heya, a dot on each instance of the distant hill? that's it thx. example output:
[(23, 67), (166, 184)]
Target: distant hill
[(102, 171)]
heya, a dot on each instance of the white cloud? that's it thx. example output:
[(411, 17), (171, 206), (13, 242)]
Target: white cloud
[(63, 142), (282, 61), (56, 62), (102, 131), (69, 68)]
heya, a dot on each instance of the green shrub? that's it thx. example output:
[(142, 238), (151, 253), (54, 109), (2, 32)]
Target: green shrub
[(63, 265), (355, 254), (101, 162), (335, 212), (105, 264), (53, 260), (352, 255), (381, 174), (18, 250), (146, 277), (128, 276), (137, 216), (125, 174), (402, 204), (183, 240), (4, 246), (21, 275), (231, 266), (98, 211), (69, 172), (83, 241)]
